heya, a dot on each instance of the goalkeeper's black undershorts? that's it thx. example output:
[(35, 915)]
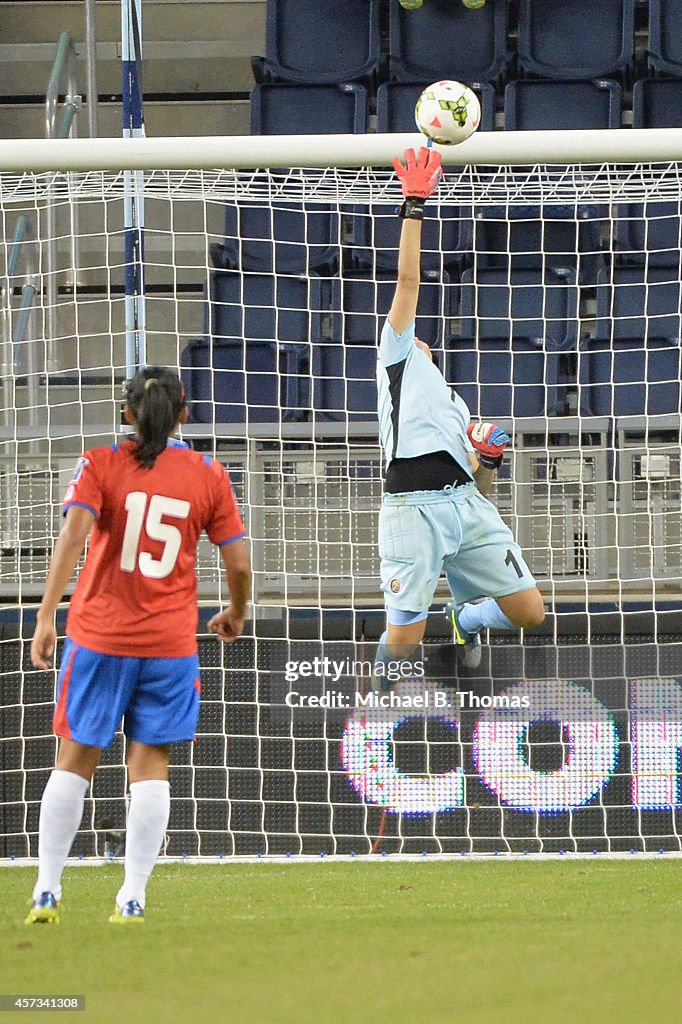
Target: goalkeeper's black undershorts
[(431, 472)]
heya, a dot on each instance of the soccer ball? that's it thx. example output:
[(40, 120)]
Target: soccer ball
[(447, 112)]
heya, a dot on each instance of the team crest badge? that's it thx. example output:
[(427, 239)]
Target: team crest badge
[(395, 586)]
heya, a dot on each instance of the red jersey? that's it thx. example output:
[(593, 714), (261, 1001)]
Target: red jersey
[(137, 592)]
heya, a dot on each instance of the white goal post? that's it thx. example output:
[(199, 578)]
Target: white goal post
[(551, 294), (633, 145)]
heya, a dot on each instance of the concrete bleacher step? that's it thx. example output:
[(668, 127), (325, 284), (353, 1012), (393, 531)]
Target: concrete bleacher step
[(177, 240), (200, 47), (171, 117), (90, 332), (201, 50)]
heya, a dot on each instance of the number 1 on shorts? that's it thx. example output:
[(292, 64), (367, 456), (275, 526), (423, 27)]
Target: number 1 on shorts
[(511, 560)]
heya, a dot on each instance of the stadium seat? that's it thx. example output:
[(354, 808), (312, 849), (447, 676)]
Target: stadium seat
[(360, 303), (574, 39), (498, 377), (263, 307), (636, 302), (527, 237), (560, 106), (344, 380), (396, 102), (538, 306), (240, 382), (629, 377), (665, 36), (279, 237), (649, 233), (310, 41), (657, 103), (373, 236), (287, 109), (270, 318), (445, 40)]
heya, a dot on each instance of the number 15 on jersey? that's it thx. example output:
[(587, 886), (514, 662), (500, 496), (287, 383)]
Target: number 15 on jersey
[(146, 511)]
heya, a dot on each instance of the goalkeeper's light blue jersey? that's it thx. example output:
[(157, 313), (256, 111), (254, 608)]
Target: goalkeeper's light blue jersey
[(418, 412)]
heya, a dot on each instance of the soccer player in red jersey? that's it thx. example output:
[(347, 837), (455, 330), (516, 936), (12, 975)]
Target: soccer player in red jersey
[(131, 647)]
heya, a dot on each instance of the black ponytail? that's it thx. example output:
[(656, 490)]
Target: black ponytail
[(156, 397)]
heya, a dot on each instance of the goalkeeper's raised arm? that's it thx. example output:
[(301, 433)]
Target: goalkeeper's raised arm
[(438, 467), (419, 178)]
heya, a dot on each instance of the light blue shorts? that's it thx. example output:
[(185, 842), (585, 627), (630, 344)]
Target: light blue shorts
[(456, 530)]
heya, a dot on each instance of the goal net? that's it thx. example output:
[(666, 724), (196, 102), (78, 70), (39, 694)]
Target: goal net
[(551, 298)]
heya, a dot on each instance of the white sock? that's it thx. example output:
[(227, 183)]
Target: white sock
[(61, 810), (147, 823), (485, 615)]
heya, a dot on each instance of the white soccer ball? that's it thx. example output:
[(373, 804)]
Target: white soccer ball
[(448, 112)]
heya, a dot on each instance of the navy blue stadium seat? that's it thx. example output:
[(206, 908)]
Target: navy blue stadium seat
[(657, 103), (374, 234), (527, 237), (560, 106), (396, 102), (445, 40), (280, 237), (629, 377), (263, 307), (317, 41), (576, 38), (344, 380), (287, 109), (538, 306), (232, 382), (360, 303), (665, 36), (498, 377), (639, 302), (649, 233)]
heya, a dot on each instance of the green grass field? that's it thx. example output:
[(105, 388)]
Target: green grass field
[(419, 943)]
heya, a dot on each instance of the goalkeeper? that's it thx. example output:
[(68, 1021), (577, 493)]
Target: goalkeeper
[(439, 467)]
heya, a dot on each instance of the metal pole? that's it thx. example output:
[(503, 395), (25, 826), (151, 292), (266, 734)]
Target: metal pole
[(65, 58), (52, 94), (91, 67), (133, 128), (51, 103), (22, 335), (73, 105), (8, 368)]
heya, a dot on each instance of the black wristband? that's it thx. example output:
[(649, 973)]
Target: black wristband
[(412, 208), (490, 461)]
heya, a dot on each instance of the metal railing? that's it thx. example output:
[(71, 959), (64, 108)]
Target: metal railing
[(20, 351), (91, 66), (64, 63), (65, 59)]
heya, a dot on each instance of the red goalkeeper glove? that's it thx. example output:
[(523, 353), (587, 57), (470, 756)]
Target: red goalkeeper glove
[(490, 441), (419, 177)]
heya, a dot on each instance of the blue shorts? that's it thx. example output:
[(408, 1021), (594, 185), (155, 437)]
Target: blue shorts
[(456, 530), (158, 698)]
